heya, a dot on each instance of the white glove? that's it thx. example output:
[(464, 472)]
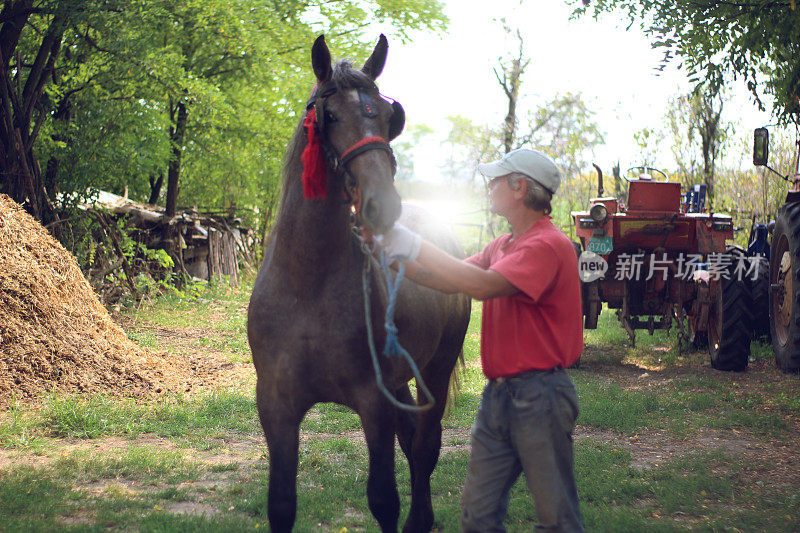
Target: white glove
[(400, 242)]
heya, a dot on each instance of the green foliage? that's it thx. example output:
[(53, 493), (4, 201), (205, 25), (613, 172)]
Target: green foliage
[(241, 70), (95, 248), (757, 42)]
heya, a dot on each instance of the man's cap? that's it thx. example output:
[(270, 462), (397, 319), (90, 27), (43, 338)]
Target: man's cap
[(533, 164)]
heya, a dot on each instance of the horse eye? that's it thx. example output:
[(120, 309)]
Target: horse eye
[(330, 117)]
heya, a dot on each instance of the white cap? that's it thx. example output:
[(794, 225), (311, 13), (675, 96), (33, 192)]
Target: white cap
[(533, 164)]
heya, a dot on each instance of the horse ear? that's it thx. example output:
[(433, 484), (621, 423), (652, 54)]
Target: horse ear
[(321, 60), (374, 65)]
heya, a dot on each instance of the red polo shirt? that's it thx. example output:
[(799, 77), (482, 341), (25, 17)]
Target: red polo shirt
[(541, 326)]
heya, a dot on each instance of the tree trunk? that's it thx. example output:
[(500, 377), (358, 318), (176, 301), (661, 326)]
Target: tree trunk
[(510, 122), (15, 15), (711, 137), (155, 188), (22, 177), (510, 82), (615, 170), (177, 136)]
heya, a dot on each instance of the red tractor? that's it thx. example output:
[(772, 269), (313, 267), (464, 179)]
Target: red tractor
[(665, 258)]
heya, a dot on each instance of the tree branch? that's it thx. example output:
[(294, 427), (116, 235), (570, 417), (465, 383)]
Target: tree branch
[(45, 58)]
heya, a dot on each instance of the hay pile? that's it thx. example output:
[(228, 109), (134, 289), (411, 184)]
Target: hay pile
[(54, 333)]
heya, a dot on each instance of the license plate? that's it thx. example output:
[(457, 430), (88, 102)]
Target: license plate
[(600, 245)]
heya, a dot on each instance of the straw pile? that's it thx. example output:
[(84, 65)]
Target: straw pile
[(54, 333)]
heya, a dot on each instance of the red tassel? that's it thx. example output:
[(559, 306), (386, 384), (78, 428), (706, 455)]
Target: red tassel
[(315, 169)]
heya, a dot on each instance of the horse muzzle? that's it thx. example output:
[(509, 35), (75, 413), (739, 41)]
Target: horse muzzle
[(380, 210)]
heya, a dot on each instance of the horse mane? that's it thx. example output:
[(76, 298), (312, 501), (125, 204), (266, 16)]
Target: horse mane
[(344, 76)]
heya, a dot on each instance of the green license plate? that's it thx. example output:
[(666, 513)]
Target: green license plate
[(600, 245)]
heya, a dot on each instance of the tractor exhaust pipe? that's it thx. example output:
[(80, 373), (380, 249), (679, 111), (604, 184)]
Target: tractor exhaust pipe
[(599, 180)]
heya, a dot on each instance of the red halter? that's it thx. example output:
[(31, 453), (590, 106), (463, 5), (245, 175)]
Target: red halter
[(319, 149)]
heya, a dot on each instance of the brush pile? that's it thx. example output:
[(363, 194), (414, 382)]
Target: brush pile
[(55, 335)]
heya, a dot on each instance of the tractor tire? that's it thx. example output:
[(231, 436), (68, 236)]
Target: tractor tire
[(730, 325), (759, 288), (784, 300)]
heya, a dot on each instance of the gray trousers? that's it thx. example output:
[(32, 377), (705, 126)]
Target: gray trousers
[(524, 424)]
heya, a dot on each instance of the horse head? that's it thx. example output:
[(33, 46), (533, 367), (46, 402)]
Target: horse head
[(353, 125)]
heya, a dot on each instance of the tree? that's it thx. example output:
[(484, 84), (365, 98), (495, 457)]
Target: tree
[(412, 136), (649, 141), (21, 85), (510, 82), (697, 127), (562, 127), (755, 40), (565, 129), (113, 93), (469, 144), (708, 110)]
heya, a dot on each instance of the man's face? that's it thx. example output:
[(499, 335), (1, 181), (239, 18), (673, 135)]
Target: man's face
[(501, 196)]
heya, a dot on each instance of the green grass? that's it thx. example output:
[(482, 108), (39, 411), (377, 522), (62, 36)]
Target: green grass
[(195, 421), (20, 428), (146, 464), (27, 492), (216, 309), (198, 308), (611, 407), (330, 418), (677, 406)]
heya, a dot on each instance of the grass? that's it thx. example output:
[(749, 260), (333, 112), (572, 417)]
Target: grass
[(93, 416), (611, 407), (145, 464), (646, 458)]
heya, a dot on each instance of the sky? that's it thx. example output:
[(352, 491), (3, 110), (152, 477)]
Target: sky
[(435, 76)]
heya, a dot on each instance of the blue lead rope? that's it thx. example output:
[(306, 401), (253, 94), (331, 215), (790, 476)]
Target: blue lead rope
[(392, 348)]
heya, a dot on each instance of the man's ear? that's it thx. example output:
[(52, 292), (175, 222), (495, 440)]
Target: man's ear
[(520, 188)]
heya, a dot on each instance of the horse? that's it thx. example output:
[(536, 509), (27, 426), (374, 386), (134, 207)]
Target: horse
[(306, 321)]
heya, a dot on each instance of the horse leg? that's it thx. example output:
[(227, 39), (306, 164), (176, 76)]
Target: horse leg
[(406, 427), (281, 429), (425, 448), (378, 421)]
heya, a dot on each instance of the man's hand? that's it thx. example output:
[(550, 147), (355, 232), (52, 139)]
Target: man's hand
[(400, 243)]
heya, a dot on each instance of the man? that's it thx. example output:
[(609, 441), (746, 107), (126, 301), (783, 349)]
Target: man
[(531, 331)]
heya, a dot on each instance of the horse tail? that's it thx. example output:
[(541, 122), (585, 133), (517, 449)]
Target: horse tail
[(454, 388)]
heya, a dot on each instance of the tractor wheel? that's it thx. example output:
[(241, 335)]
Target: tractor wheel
[(759, 287), (784, 276), (730, 325)]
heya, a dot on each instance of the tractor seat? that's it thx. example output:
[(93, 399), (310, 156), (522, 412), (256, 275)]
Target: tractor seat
[(656, 196)]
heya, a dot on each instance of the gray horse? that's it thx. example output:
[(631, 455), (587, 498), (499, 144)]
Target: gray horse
[(306, 321)]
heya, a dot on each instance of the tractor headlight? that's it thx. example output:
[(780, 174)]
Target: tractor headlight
[(598, 212)]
